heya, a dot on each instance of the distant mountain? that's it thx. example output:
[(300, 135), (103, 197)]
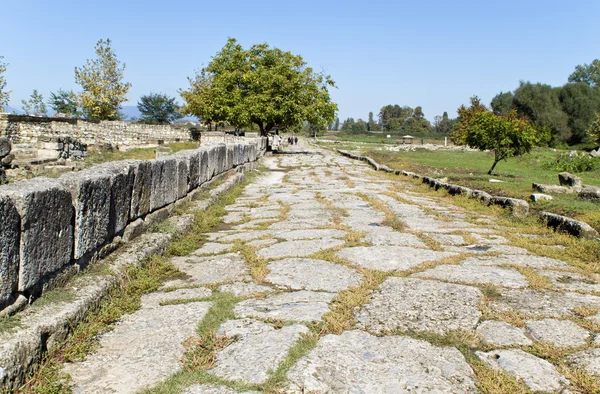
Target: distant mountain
[(12, 110)]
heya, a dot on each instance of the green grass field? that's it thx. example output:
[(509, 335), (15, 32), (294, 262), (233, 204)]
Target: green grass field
[(103, 156), (469, 169)]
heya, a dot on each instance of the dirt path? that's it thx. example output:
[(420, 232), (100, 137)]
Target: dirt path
[(344, 281)]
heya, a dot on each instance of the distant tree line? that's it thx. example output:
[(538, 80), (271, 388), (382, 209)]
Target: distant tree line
[(567, 111), (394, 118)]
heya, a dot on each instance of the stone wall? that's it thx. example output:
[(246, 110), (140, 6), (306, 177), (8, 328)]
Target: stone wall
[(33, 130), (52, 227)]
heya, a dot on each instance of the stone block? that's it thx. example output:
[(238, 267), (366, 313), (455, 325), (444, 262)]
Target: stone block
[(142, 186), (482, 196), (460, 190), (91, 198), (122, 176), (535, 197), (518, 207), (183, 173), (212, 155), (164, 182), (230, 156), (9, 248), (194, 169), (590, 193), (203, 157), (46, 227), (568, 225), (551, 189), (221, 158), (239, 154), (569, 180), (5, 146)]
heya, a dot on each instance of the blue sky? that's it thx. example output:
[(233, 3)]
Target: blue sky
[(430, 53)]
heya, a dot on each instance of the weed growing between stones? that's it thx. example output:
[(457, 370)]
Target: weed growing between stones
[(258, 265), (391, 220), (349, 182), (123, 299), (10, 323), (535, 280)]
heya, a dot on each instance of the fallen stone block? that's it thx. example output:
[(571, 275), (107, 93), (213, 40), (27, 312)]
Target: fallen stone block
[(570, 180), (568, 225), (9, 248), (551, 189), (590, 193), (518, 207), (91, 198), (535, 197), (482, 196), (459, 190), (46, 227)]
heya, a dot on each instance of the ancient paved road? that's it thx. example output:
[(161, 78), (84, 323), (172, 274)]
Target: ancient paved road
[(321, 245)]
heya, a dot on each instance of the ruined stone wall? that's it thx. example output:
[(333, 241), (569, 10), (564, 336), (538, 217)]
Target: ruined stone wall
[(52, 227), (33, 130)]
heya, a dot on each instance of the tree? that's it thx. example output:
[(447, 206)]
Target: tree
[(35, 105), (593, 130), (4, 94), (502, 103), (541, 104), (336, 125), (102, 82), (442, 124), (64, 102), (587, 73), (507, 135), (263, 86), (581, 103), (157, 108)]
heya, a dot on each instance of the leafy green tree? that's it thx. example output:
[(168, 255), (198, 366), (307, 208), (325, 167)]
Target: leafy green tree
[(507, 135), (593, 130), (102, 81), (4, 94), (442, 124), (502, 103), (581, 103), (157, 108), (35, 105), (587, 73), (541, 104), (64, 102), (263, 86), (350, 126)]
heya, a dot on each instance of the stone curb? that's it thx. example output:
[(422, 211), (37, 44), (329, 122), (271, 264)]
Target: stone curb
[(518, 207), (49, 326)]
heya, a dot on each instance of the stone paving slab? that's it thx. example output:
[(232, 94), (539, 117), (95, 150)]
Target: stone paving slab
[(561, 333), (538, 374), (357, 362), (499, 333), (206, 389), (518, 260), (300, 248), (258, 349), (588, 359), (571, 281), (301, 306), (143, 349), (213, 269), (212, 248), (241, 289), (504, 277), (541, 304), (389, 258), (389, 237), (420, 305), (309, 274)]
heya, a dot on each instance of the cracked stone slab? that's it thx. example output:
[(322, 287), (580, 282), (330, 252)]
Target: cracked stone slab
[(447, 239), (505, 277), (538, 374), (421, 305), (154, 299), (562, 333), (301, 224), (571, 281), (540, 303), (394, 238), (207, 389), (300, 248), (212, 248), (588, 359), (241, 289), (261, 243), (213, 269), (357, 362), (259, 348), (309, 274), (389, 258), (143, 349), (245, 236), (301, 306), (521, 260), (499, 333), (294, 235)]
